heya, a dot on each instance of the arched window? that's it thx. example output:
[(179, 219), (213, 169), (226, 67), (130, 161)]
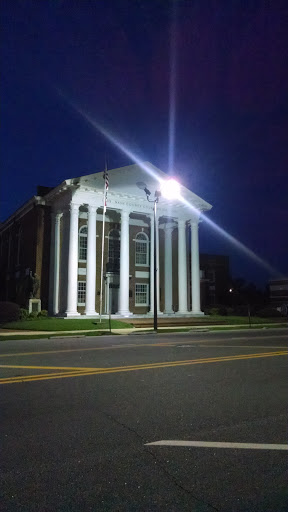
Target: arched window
[(141, 250), (83, 243), (113, 251)]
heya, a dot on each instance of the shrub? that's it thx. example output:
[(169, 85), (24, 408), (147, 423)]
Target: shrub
[(43, 313), (9, 312), (218, 310), (269, 313), (24, 314), (241, 310), (33, 314), (213, 311)]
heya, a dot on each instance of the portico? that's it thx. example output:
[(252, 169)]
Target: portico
[(76, 239)]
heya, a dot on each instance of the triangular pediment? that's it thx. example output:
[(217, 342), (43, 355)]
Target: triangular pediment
[(123, 181)]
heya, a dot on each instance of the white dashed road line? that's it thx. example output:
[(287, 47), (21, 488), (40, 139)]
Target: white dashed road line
[(209, 444)]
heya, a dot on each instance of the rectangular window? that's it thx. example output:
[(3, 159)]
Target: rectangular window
[(114, 254), (141, 253), (83, 248), (81, 293), (141, 294)]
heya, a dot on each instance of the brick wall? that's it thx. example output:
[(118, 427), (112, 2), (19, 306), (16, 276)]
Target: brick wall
[(20, 258), (34, 255)]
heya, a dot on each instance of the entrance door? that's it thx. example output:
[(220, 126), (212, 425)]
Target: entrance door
[(111, 293), (114, 292)]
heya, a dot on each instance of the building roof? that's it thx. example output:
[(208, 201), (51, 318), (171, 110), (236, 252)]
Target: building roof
[(122, 184), (124, 181)]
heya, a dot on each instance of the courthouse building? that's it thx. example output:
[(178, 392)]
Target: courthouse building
[(56, 239)]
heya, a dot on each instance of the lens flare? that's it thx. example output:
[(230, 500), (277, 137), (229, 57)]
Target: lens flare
[(109, 136), (236, 243), (172, 93)]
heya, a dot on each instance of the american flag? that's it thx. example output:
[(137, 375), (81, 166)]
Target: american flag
[(106, 186), (106, 178)]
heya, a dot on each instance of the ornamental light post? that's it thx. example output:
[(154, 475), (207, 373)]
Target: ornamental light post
[(169, 189)]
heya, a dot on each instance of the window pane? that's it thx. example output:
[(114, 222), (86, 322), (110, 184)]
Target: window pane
[(141, 249), (83, 243), (83, 248), (81, 292), (141, 294), (114, 251)]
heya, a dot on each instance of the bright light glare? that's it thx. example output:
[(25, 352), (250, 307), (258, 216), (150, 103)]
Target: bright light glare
[(175, 187), (109, 136), (170, 189)]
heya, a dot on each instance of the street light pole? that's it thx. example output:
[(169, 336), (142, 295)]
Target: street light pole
[(155, 201), (170, 190), (155, 265), (142, 186)]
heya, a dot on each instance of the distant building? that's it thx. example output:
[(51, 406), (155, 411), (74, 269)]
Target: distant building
[(215, 279), (278, 291), (55, 240)]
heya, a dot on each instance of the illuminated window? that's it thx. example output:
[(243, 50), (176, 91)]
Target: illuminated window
[(83, 243), (81, 293), (113, 251), (141, 294), (141, 250)]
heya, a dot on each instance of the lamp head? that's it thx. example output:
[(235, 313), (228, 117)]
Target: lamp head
[(142, 185)]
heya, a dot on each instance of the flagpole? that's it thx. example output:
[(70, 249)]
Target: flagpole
[(103, 233)]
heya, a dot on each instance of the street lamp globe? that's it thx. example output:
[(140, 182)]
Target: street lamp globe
[(170, 189)]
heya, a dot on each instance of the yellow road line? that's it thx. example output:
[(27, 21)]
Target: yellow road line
[(41, 376), (94, 371), (186, 361), (111, 347), (129, 345), (68, 368)]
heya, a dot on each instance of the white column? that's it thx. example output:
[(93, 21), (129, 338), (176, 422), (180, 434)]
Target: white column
[(124, 265), (51, 264), (72, 286), (168, 269), (54, 267), (195, 269), (91, 263), (152, 227), (56, 264), (182, 268)]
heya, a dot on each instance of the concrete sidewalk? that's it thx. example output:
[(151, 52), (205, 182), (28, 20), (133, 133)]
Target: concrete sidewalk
[(135, 330)]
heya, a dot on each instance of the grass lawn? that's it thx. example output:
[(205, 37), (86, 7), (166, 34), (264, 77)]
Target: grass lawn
[(24, 337), (238, 320), (60, 324)]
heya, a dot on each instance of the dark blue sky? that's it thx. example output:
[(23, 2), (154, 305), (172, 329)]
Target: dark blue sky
[(113, 59)]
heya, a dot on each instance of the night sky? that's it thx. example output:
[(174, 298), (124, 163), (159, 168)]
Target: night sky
[(198, 88)]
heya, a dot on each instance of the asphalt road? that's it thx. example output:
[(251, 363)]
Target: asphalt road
[(77, 414)]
